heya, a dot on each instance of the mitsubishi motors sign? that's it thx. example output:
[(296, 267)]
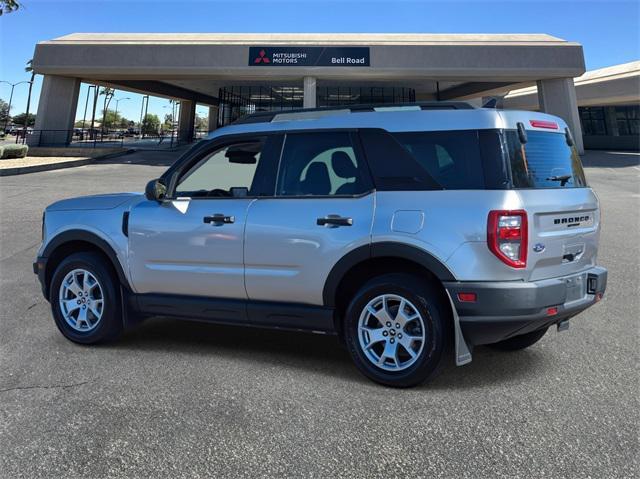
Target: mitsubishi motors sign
[(309, 56)]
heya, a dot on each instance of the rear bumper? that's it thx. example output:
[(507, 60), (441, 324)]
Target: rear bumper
[(509, 308)]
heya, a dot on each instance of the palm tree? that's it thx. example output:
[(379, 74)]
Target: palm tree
[(108, 95), (29, 69), (8, 6)]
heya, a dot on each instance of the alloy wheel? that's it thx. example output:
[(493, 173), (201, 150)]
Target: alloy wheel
[(81, 300), (391, 332)]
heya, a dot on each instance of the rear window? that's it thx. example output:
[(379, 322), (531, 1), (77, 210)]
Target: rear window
[(452, 158), (544, 161)]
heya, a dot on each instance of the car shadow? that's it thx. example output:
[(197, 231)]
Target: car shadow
[(490, 367), (320, 354)]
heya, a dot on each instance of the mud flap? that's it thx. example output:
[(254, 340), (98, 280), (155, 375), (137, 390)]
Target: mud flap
[(463, 353)]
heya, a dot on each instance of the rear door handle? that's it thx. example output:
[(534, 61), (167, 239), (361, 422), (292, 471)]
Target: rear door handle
[(219, 219), (334, 221)]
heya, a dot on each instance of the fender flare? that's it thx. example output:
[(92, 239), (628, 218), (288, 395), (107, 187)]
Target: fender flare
[(88, 237), (381, 250)]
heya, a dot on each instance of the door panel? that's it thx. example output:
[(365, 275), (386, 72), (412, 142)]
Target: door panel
[(288, 255), (192, 244), (172, 250)]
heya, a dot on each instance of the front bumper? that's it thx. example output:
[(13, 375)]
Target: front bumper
[(509, 308), (39, 268)]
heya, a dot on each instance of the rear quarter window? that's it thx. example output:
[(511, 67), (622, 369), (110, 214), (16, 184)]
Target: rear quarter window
[(452, 158)]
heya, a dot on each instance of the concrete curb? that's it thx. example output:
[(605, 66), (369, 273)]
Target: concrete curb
[(21, 170)]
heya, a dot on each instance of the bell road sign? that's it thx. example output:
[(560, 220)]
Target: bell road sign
[(309, 56)]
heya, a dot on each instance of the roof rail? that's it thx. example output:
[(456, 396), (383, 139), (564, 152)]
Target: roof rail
[(307, 113)]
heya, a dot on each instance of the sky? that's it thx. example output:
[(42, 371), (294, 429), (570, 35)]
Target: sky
[(608, 30)]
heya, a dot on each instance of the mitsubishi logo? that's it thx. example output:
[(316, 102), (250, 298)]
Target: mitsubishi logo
[(262, 58)]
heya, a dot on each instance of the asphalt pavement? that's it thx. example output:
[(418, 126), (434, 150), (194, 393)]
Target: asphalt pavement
[(179, 399)]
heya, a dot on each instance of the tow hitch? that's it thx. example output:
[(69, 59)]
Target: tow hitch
[(563, 325)]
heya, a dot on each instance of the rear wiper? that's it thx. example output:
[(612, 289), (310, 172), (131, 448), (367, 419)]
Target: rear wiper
[(562, 179)]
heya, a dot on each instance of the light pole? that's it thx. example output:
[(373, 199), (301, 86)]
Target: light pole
[(145, 99), (86, 104), (118, 100), (13, 85)]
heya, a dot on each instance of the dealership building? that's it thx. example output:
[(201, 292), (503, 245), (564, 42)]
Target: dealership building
[(236, 74), (608, 105)]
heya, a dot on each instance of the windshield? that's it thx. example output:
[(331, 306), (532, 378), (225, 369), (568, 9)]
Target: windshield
[(545, 161)]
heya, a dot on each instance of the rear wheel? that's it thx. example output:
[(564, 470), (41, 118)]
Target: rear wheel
[(396, 330), (519, 342), (84, 299)]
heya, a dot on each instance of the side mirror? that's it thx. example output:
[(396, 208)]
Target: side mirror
[(155, 190)]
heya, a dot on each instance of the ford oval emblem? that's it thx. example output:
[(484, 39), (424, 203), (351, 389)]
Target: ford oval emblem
[(538, 247)]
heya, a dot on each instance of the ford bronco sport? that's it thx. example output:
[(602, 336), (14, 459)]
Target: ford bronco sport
[(406, 230)]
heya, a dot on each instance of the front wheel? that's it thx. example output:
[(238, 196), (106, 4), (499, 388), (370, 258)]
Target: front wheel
[(396, 330), (519, 342), (84, 299)]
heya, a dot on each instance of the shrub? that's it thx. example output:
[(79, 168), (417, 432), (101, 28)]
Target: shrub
[(1, 151), (14, 151)]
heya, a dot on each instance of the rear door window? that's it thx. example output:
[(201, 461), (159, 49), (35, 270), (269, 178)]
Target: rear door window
[(321, 164), (545, 161)]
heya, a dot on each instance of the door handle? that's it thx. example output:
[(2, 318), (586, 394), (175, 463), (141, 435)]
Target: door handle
[(219, 219), (334, 221)]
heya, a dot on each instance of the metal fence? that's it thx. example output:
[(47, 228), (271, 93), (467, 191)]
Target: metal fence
[(78, 138)]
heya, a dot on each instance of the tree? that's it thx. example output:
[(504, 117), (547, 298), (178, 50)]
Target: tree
[(111, 119), (8, 6), (108, 95), (168, 122), (20, 119), (29, 69), (4, 111), (202, 123), (124, 123), (150, 124)]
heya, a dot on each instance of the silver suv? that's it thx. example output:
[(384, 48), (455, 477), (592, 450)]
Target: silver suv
[(407, 231)]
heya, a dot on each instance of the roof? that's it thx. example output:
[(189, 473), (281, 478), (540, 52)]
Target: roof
[(395, 120), (615, 72), (313, 39)]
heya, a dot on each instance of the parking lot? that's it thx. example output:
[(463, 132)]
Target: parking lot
[(177, 399)]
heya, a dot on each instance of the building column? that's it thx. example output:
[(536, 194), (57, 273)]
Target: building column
[(186, 121), (558, 97), (56, 111), (611, 121), (213, 118), (309, 100)]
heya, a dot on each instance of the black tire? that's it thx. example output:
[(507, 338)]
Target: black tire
[(519, 342), (109, 325), (435, 315)]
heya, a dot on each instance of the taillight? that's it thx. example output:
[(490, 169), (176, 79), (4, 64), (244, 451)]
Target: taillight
[(507, 234)]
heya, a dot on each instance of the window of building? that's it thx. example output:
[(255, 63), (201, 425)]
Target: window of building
[(593, 121), (628, 120), (358, 95)]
